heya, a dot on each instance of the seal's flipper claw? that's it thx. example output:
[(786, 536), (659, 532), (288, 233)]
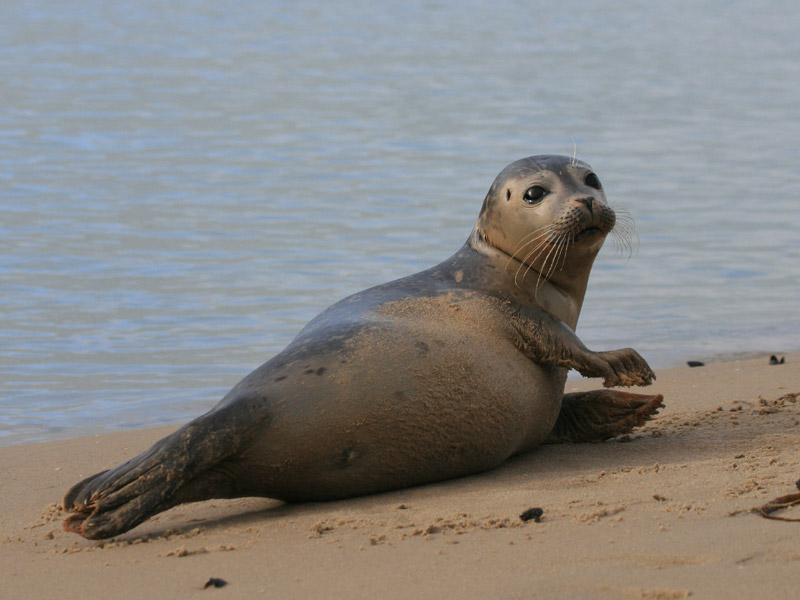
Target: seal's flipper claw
[(624, 367), (70, 498), (602, 414)]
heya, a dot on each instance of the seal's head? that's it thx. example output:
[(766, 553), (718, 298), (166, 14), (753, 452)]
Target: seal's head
[(548, 214), (555, 200)]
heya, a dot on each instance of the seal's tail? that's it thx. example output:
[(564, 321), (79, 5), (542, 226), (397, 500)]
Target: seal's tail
[(179, 468), (602, 414)]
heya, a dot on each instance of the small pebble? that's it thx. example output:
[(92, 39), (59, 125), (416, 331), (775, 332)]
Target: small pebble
[(532, 513)]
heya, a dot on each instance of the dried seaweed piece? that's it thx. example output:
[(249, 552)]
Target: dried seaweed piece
[(777, 504)]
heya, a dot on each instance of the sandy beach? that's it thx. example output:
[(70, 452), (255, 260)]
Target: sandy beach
[(664, 513)]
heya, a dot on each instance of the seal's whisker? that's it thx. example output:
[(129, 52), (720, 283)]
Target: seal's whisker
[(553, 262), (562, 252), (540, 240), (544, 274), (542, 231), (570, 237), (530, 242), (624, 233), (541, 243), (622, 241), (531, 257), (532, 237), (528, 262), (618, 242), (554, 259), (625, 225), (544, 265), (557, 252)]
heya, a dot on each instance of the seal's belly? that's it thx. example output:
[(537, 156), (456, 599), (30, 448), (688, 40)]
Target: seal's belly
[(401, 402)]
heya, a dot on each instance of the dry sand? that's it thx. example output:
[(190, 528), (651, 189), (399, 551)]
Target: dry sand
[(665, 514)]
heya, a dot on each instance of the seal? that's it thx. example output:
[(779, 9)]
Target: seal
[(443, 373)]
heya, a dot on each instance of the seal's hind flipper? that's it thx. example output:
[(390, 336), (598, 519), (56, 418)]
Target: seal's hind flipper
[(602, 414), (114, 501)]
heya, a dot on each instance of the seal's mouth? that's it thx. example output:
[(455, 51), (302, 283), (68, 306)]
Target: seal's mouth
[(589, 231)]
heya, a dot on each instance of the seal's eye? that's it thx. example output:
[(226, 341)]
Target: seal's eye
[(534, 194), (592, 181)]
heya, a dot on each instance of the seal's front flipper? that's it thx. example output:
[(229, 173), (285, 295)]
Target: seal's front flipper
[(546, 340), (117, 500), (602, 414)]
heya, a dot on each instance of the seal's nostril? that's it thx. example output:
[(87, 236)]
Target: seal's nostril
[(587, 202)]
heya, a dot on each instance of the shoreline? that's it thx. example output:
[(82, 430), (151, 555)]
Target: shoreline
[(573, 377), (665, 515)]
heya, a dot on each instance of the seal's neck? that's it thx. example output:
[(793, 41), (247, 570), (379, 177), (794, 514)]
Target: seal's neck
[(561, 294)]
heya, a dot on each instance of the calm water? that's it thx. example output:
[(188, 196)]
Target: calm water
[(183, 187)]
